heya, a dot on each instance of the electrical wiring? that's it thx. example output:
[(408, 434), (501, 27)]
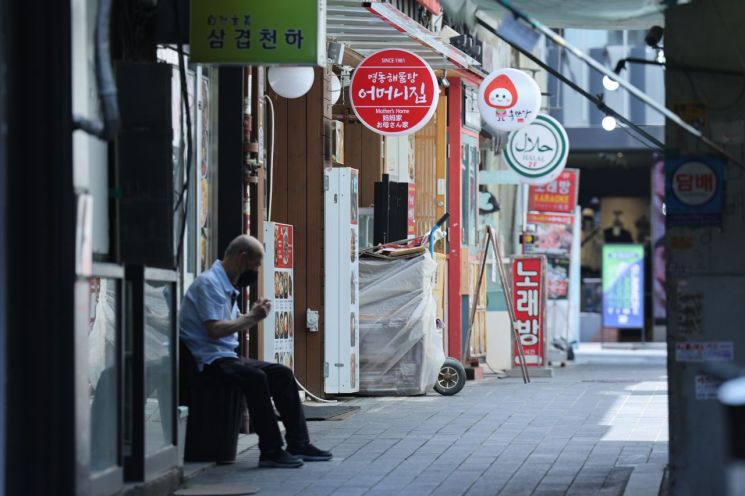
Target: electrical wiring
[(316, 398), (271, 164), (638, 139), (183, 197)]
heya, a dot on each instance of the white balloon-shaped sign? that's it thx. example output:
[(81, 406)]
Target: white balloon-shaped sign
[(509, 99), (335, 89), (291, 81)]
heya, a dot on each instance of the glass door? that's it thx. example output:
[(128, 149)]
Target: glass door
[(105, 304)]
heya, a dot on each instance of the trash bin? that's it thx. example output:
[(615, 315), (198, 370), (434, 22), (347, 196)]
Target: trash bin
[(214, 417)]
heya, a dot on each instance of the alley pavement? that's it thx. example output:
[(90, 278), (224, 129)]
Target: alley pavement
[(583, 432)]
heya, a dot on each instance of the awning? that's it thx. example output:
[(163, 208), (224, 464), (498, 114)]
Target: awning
[(588, 14), (368, 27)]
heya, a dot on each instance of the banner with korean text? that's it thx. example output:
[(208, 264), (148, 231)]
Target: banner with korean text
[(529, 301), (694, 191), (280, 32), (394, 92), (558, 196)]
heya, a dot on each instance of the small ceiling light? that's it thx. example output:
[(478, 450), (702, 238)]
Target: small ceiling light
[(609, 123), (610, 84)]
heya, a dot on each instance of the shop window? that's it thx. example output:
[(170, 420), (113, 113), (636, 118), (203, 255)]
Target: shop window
[(104, 376), (469, 191), (159, 359), (150, 374)]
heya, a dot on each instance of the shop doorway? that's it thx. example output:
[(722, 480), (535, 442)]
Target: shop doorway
[(622, 255)]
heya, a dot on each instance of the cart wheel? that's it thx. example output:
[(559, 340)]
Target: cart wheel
[(451, 379)]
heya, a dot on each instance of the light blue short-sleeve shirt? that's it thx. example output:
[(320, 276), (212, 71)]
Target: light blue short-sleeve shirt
[(210, 297)]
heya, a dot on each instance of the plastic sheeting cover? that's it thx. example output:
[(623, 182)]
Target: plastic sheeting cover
[(400, 347)]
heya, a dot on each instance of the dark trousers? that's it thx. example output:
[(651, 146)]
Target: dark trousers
[(261, 381)]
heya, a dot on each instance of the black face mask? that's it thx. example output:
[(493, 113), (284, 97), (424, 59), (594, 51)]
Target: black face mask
[(247, 277)]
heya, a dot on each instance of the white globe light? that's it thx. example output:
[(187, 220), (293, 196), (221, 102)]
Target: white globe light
[(291, 82), (610, 84), (335, 89), (609, 123)]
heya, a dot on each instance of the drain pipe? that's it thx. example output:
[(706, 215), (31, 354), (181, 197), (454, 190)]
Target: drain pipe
[(107, 129)]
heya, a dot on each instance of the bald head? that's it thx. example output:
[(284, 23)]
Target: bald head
[(245, 244)]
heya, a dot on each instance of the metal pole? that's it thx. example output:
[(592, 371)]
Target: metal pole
[(508, 299), (559, 40)]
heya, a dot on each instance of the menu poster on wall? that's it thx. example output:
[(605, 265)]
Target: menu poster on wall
[(203, 159), (557, 278), (279, 286), (529, 301), (623, 286), (553, 233)]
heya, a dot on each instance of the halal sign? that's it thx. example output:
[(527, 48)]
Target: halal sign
[(509, 99), (538, 152), (394, 92)]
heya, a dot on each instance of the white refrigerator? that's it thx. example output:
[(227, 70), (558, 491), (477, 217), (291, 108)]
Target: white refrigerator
[(341, 288)]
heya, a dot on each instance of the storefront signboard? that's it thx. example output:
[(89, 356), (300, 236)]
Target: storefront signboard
[(394, 92), (694, 191), (623, 286), (509, 99), (529, 302), (538, 152), (560, 195), (280, 32)]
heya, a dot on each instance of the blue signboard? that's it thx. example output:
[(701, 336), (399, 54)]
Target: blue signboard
[(694, 191), (623, 286)]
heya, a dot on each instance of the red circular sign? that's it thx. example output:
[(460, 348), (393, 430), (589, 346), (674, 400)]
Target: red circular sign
[(394, 92)]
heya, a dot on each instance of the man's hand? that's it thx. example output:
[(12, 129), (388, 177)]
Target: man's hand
[(217, 329), (261, 309)]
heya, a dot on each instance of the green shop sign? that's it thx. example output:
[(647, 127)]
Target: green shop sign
[(258, 32)]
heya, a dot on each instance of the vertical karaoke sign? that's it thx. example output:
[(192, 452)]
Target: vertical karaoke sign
[(529, 301)]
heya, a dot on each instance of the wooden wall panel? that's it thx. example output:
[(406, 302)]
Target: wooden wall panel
[(371, 170), (442, 143), (316, 126), (298, 200), (362, 152), (425, 177)]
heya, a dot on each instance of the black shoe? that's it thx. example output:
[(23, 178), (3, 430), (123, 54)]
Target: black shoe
[(310, 453), (279, 459)]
